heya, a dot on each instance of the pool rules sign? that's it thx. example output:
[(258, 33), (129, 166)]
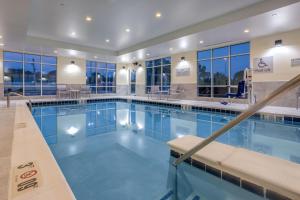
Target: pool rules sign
[(26, 178)]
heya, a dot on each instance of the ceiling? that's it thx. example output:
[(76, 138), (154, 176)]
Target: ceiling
[(49, 19), (47, 25)]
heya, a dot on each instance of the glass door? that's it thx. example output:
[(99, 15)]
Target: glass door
[(132, 81)]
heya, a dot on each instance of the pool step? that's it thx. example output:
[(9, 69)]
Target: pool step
[(170, 196), (193, 197), (266, 176)]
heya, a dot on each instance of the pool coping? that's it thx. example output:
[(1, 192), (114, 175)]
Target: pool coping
[(232, 164), (29, 146)]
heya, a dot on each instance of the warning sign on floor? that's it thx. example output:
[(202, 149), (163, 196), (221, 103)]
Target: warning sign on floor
[(26, 178)]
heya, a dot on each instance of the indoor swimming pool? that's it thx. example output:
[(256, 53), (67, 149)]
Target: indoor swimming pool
[(117, 150)]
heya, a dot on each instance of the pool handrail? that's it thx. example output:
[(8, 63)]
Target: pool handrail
[(20, 95), (291, 84)]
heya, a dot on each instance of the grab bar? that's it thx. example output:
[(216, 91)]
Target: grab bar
[(294, 82), (20, 95)]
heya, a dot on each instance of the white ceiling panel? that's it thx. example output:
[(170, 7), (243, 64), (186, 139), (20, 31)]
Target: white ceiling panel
[(57, 19)]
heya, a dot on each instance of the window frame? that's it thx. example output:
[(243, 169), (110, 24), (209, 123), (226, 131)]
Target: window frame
[(97, 67), (153, 67), (23, 63), (211, 59)]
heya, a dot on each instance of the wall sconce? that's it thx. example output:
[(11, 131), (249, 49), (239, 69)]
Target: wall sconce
[(123, 67), (182, 58), (278, 43), (72, 62)]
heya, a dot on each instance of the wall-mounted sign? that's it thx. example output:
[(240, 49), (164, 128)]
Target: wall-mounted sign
[(263, 65), (26, 178), (183, 69), (295, 62)]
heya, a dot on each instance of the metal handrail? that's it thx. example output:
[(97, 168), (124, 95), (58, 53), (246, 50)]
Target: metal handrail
[(294, 82), (17, 94)]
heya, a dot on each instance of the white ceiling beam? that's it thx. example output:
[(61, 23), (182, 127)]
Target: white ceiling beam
[(65, 45)]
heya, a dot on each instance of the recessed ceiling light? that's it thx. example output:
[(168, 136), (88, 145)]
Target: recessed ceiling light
[(73, 34), (201, 42), (1, 44), (88, 18), (127, 30), (171, 49), (148, 54), (274, 14), (246, 31), (95, 57), (55, 51), (158, 15), (107, 40)]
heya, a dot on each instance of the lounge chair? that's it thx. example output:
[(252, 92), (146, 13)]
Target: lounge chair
[(62, 91), (174, 91), (85, 91), (154, 90)]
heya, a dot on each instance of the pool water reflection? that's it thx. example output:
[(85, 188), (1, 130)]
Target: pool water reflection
[(112, 149)]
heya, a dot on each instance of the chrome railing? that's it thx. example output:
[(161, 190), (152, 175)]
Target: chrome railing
[(20, 95), (294, 82)]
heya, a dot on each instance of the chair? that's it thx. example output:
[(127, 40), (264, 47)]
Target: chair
[(240, 92), (154, 90), (85, 91), (174, 91), (62, 91)]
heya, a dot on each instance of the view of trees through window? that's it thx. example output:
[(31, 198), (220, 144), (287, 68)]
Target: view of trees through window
[(158, 73), (29, 74), (101, 77), (221, 69)]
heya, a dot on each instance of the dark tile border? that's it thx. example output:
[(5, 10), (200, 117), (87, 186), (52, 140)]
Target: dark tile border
[(251, 187), (275, 196), (238, 181), (258, 116)]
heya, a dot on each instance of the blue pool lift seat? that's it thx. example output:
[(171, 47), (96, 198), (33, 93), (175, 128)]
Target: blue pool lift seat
[(240, 92)]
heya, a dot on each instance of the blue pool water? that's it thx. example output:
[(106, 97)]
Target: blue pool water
[(117, 150)]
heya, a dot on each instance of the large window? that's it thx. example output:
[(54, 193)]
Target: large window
[(29, 74), (221, 69), (101, 77), (158, 74)]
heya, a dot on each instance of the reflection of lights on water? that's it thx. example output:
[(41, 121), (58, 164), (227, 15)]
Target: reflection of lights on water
[(90, 124), (140, 142), (179, 135), (123, 122), (72, 130), (98, 112), (124, 138), (139, 126), (72, 149)]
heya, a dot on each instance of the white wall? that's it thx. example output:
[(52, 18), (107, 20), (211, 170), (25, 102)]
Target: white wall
[(1, 66), (68, 73), (190, 61), (282, 70)]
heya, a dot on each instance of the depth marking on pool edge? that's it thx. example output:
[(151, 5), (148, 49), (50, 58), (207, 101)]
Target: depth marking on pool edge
[(27, 177)]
